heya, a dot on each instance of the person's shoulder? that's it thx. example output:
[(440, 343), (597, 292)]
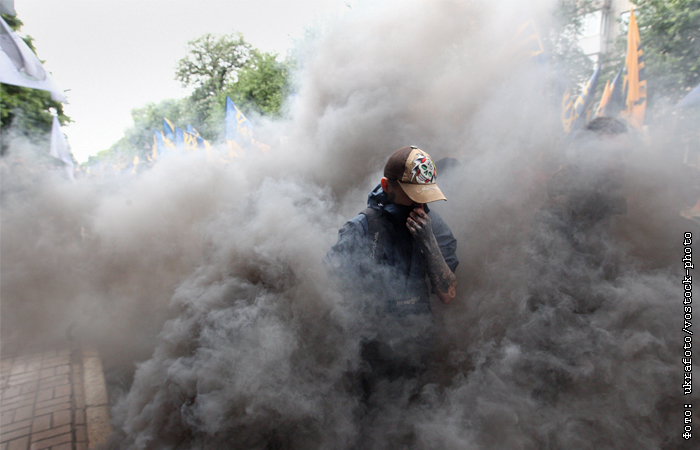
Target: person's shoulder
[(357, 225), (438, 222)]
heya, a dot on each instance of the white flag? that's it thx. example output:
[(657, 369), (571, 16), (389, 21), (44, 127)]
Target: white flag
[(19, 65), (59, 147)]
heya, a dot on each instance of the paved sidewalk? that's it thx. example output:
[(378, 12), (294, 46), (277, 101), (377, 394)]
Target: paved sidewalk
[(52, 396)]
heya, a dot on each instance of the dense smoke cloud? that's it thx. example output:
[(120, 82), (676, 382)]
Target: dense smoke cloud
[(256, 348)]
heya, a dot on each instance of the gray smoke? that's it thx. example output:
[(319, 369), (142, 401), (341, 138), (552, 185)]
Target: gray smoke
[(257, 348)]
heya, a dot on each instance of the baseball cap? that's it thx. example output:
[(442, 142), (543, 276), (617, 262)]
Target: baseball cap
[(413, 168)]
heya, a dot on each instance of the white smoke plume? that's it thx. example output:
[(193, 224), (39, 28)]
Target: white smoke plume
[(206, 282)]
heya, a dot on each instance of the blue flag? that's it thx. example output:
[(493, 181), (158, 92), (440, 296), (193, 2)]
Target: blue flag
[(585, 99), (238, 127), (190, 140), (577, 112), (616, 102), (239, 130), (168, 129), (179, 138), (158, 144)]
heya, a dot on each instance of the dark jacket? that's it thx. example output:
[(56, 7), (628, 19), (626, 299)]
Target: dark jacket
[(389, 265)]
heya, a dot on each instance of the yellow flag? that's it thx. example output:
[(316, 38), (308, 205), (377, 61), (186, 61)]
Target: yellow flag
[(154, 148), (528, 40), (604, 100), (636, 82)]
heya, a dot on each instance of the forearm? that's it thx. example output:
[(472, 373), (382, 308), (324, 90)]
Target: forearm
[(439, 272), (442, 278)]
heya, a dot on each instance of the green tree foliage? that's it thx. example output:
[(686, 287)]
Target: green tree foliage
[(211, 62), (562, 41), (216, 67), (262, 84), (670, 32), (28, 111)]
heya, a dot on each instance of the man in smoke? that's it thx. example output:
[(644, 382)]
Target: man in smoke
[(384, 257)]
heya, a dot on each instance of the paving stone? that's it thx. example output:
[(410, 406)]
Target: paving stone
[(66, 446), (7, 427), (29, 388), (81, 433), (61, 418), (63, 369), (43, 400), (61, 391), (18, 444), (98, 425), (52, 409), (33, 365), (24, 358), (95, 388), (18, 400), (22, 378), (10, 435), (45, 373), (41, 423), (78, 386), (10, 392), (50, 353), (54, 401), (51, 442), (59, 380), (51, 432), (18, 368), (12, 405), (79, 401), (23, 413), (59, 360), (7, 416), (44, 394)]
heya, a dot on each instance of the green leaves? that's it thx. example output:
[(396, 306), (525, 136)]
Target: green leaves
[(262, 85), (216, 66), (212, 61), (670, 31), (29, 111)]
